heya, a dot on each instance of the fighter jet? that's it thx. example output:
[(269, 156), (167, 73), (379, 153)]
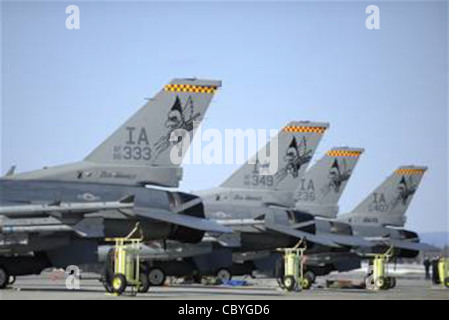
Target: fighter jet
[(379, 220), (58, 216), (382, 215), (362, 231), (257, 204), (253, 195), (317, 193)]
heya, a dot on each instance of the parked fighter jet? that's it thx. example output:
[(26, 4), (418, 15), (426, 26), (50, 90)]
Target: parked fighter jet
[(258, 206), (382, 215), (318, 193), (379, 219), (58, 216), (253, 202)]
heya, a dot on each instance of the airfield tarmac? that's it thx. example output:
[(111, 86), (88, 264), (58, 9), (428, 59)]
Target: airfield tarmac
[(51, 286)]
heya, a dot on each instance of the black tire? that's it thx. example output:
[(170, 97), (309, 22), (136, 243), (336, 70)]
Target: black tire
[(12, 280), (107, 277), (311, 275), (393, 283), (446, 282), (223, 275), (107, 286), (144, 283), (387, 284), (118, 284), (156, 277), (307, 282), (197, 279), (381, 283), (279, 270), (289, 283), (4, 278)]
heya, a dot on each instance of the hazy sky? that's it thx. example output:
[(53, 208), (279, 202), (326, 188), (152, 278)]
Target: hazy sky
[(64, 91)]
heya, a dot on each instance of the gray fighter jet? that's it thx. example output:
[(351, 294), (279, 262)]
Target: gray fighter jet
[(257, 204), (378, 220), (58, 216), (382, 215)]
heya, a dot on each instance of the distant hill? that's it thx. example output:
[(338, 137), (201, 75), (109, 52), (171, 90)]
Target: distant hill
[(439, 239)]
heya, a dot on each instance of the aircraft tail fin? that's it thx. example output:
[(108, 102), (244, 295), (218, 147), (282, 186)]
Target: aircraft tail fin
[(149, 147), (388, 204), (146, 138), (322, 185), (296, 145), (11, 171)]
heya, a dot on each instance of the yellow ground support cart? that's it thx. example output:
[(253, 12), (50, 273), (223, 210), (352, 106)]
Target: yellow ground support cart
[(378, 277), (443, 271), (123, 266), (293, 277)]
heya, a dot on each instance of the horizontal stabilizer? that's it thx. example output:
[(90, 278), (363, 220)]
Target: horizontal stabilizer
[(415, 246), (301, 235), (352, 241), (182, 220)]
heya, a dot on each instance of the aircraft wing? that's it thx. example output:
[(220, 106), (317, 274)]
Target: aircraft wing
[(181, 219), (301, 235), (352, 241)]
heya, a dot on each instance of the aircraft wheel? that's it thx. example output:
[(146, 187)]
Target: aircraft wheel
[(311, 275), (198, 279), (224, 275), (369, 282), (380, 283), (387, 283), (156, 277), (144, 283), (307, 282), (118, 284), (289, 283), (446, 282), (4, 278), (11, 280), (107, 286), (393, 282)]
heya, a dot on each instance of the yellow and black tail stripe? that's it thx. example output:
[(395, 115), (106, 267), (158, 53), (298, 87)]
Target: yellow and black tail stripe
[(343, 153), (295, 129), (410, 171), (190, 88)]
